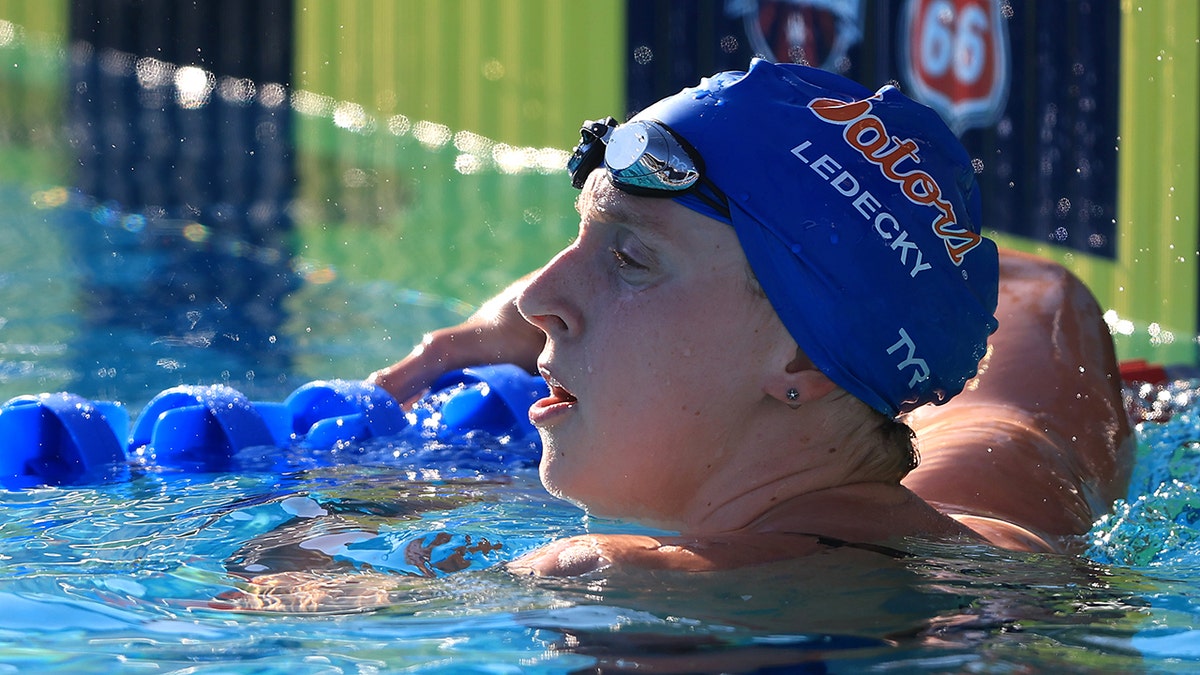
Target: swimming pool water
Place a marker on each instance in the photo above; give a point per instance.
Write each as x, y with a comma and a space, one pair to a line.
135, 577
391, 557
150, 574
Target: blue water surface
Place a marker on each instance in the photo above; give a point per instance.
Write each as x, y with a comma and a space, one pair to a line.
150, 575
388, 557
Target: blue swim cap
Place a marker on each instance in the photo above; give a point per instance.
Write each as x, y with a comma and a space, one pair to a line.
860, 216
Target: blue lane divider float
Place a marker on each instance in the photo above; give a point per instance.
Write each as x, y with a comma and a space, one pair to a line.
63, 439
59, 438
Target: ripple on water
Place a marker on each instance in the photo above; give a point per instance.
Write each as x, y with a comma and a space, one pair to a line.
1158, 524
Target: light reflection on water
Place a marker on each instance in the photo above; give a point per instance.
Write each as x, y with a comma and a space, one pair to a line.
138, 569
160, 271
126, 575
133, 567
63, 329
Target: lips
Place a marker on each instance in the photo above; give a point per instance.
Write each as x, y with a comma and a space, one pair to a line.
557, 391
558, 402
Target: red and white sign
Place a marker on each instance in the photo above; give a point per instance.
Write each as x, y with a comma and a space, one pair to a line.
955, 58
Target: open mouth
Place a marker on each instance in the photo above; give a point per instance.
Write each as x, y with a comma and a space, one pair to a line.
559, 402
558, 393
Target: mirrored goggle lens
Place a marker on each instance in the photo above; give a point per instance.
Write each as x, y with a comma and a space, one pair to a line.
645, 155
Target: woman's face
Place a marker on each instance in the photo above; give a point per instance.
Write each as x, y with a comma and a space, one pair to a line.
657, 349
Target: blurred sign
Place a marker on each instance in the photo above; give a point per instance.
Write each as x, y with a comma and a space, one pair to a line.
955, 59
817, 33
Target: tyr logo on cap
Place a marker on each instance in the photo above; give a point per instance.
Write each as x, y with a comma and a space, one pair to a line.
867, 134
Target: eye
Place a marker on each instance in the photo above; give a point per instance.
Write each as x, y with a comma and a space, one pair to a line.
625, 261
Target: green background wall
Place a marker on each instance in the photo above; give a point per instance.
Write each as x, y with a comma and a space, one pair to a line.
524, 72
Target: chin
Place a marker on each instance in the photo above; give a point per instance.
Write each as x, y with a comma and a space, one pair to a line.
550, 469
568, 472
563, 485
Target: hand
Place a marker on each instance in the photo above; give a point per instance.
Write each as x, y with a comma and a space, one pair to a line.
305, 592
568, 557
497, 333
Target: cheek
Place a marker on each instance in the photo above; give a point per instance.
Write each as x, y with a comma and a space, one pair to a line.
679, 358
707, 331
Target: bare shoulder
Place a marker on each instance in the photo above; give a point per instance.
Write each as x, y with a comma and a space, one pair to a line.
1038, 440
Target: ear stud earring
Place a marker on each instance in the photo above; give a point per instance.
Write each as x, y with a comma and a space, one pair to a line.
792, 394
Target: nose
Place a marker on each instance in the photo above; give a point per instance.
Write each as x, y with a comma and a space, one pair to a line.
547, 300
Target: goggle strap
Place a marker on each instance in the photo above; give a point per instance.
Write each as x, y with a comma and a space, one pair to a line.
589, 153
706, 192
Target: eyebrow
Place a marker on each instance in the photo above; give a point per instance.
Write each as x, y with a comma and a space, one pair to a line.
619, 210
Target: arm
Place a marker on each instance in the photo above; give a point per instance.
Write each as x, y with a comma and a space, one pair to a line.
497, 333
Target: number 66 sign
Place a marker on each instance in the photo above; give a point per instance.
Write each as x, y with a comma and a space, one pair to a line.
954, 54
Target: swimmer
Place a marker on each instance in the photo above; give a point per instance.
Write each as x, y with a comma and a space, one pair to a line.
779, 294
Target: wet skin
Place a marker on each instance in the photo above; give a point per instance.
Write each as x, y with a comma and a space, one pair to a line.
668, 407
658, 354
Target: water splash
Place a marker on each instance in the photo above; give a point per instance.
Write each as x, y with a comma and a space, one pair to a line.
1158, 523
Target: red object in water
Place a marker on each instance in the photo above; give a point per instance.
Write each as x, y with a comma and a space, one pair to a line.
1140, 370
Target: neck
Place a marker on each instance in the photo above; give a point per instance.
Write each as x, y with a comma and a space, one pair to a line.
787, 455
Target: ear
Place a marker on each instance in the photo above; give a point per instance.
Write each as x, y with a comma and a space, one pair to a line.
799, 382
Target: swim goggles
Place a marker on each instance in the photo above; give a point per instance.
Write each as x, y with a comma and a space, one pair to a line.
643, 157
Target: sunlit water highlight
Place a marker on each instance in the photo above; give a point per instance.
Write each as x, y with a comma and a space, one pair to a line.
382, 560
151, 573
147, 575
